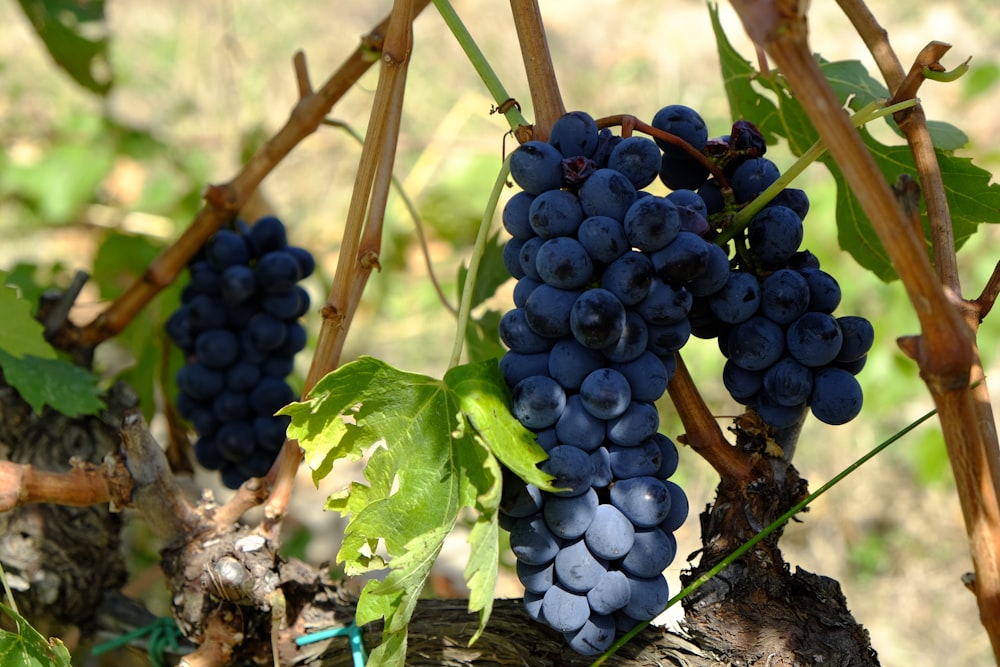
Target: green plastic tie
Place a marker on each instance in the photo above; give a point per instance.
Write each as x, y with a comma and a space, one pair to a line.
163, 635
352, 631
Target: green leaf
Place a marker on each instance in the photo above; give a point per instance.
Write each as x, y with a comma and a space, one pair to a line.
972, 198
492, 272
482, 337
432, 448
44, 184
738, 76
28, 648
62, 24
54, 382
21, 334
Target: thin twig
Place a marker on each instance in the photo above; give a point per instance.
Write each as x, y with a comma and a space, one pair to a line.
222, 201
363, 228
411, 209
984, 302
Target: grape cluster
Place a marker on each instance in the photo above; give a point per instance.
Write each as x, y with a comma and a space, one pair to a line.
612, 280
238, 328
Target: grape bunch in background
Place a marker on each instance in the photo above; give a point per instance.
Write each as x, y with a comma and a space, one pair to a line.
238, 328
612, 280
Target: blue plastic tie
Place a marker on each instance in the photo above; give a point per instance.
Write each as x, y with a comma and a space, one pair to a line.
352, 631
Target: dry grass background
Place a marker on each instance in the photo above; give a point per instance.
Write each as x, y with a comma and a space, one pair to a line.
204, 75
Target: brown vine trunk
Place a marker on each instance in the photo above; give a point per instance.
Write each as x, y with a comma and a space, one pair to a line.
756, 610
60, 560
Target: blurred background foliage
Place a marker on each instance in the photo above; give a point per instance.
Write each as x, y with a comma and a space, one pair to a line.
104, 158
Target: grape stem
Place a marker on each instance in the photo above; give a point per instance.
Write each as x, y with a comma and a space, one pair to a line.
703, 433
629, 123
505, 104
742, 218
775, 525
465, 305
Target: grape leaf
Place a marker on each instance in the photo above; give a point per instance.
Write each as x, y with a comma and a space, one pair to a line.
57, 383
28, 648
21, 334
972, 198
62, 26
433, 448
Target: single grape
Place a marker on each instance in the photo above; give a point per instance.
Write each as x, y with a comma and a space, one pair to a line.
651, 223
647, 598
814, 339
597, 318
784, 296
610, 534
555, 213
518, 336
227, 248
266, 235
536, 578
549, 309
859, 335
737, 300
774, 235
788, 382
578, 427
639, 422
570, 362
277, 271
537, 401
536, 167
577, 569
638, 158
629, 277
756, 343
564, 263
645, 501
836, 397
651, 553
753, 177
642, 460
603, 238
574, 133
610, 594
570, 517
563, 610
607, 192
664, 303
532, 542
605, 393
571, 468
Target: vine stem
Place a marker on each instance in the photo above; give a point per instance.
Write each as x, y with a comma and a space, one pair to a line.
742, 218
775, 525
363, 230
545, 96
946, 350
512, 112
465, 305
224, 201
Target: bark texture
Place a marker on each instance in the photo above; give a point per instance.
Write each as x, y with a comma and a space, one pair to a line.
60, 560
756, 611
